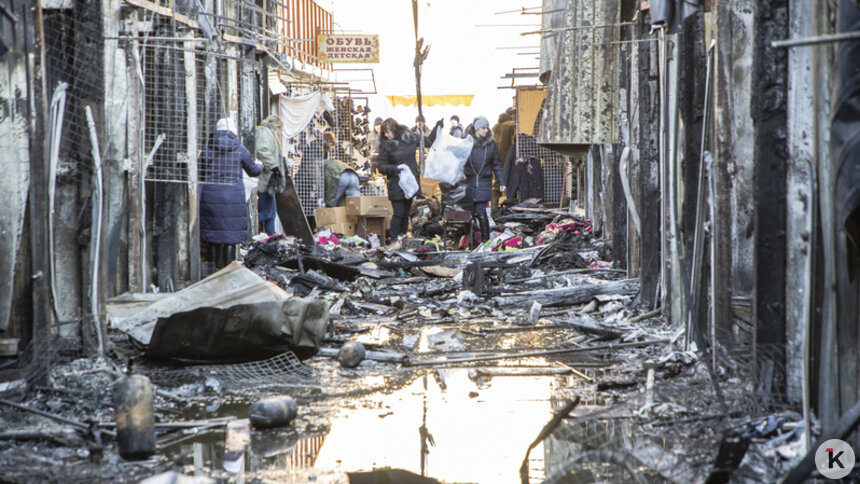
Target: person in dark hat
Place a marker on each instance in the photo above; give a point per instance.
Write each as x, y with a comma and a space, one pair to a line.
482, 164
456, 128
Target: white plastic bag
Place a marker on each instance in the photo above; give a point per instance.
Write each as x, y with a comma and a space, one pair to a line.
447, 158
407, 181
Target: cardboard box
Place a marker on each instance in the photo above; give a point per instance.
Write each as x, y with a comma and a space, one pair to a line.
429, 188
368, 206
343, 228
371, 225
329, 216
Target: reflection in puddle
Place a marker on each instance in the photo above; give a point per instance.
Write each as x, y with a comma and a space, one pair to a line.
466, 433
469, 434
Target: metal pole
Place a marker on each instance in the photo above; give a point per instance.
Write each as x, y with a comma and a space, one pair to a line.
95, 231
818, 39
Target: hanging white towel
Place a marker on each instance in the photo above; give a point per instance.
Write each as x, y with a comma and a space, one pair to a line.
298, 111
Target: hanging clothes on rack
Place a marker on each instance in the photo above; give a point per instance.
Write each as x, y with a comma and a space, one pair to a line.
524, 169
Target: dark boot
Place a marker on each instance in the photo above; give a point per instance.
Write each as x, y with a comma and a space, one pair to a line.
219, 256
229, 254
484, 223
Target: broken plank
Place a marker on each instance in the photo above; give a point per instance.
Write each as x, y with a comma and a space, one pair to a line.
521, 329
564, 273
491, 372
441, 271
61, 435
368, 355
569, 295
59, 418
590, 327
531, 354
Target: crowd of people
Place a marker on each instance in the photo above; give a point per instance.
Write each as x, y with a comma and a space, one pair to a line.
393, 151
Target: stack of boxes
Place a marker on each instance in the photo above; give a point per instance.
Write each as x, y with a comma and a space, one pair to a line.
361, 216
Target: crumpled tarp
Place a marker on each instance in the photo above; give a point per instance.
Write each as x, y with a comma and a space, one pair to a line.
243, 331
232, 285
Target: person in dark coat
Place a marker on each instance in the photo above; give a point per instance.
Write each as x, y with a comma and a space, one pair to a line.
223, 212
456, 127
482, 164
398, 146
503, 135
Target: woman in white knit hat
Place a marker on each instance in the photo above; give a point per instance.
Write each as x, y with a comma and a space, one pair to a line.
223, 213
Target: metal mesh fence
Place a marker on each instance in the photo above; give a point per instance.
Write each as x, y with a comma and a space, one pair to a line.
284, 369
538, 172
306, 153
184, 97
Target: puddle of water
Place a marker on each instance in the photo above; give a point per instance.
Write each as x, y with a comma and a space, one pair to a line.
480, 435
466, 433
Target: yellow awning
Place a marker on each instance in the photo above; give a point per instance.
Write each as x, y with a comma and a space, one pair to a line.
433, 100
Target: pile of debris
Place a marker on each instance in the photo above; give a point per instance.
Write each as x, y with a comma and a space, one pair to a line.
269, 349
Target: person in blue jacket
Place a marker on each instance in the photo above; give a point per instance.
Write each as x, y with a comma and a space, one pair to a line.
483, 162
223, 212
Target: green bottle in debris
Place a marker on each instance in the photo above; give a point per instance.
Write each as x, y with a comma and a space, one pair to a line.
272, 412
135, 421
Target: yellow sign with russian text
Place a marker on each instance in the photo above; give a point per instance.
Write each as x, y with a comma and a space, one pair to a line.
339, 48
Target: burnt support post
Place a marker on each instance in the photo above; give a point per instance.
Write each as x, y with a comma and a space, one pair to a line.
40, 269
771, 154
649, 180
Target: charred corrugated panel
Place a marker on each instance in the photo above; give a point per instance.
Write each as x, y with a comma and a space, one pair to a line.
800, 195
731, 211
771, 150
582, 93
551, 18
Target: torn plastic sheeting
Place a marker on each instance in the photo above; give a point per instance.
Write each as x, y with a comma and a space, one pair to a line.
232, 285
244, 331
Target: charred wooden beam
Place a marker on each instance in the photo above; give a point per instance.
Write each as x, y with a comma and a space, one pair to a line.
771, 150
569, 295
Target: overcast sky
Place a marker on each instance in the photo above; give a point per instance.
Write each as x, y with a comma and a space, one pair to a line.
464, 58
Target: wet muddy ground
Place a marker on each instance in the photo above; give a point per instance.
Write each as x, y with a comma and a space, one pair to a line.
463, 407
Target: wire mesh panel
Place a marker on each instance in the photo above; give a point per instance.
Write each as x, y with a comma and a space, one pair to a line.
538, 172
306, 154
183, 98
284, 369
165, 104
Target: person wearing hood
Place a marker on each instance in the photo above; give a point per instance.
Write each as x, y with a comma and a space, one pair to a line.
456, 128
397, 148
223, 212
482, 164
503, 134
341, 180
267, 149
